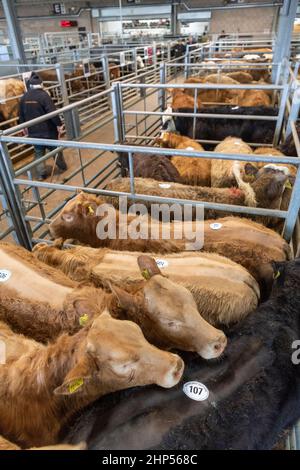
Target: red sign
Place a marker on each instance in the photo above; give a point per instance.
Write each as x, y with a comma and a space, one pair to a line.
68, 24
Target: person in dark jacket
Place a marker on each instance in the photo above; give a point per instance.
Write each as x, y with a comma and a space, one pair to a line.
35, 103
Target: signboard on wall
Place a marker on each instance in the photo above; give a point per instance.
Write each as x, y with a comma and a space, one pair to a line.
59, 9
68, 24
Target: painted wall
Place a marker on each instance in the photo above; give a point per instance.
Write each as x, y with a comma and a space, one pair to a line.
250, 20
43, 25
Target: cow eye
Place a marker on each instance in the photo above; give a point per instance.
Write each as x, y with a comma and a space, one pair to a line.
174, 324
122, 369
67, 217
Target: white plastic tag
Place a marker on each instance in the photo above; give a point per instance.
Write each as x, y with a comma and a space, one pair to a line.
162, 263
164, 185
216, 226
4, 275
196, 391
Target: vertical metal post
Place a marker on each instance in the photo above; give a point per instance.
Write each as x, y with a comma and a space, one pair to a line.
142, 90
293, 209
195, 110
162, 91
61, 78
280, 117
168, 52
134, 57
131, 174
293, 116
121, 19
71, 118
13, 199
175, 28
117, 113
14, 32
287, 15
105, 71
186, 61
154, 52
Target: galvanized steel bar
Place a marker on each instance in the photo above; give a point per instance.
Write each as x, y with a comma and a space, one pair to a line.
146, 197
13, 199
131, 173
154, 150
294, 112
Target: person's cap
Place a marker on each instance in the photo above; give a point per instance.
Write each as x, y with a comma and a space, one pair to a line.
35, 79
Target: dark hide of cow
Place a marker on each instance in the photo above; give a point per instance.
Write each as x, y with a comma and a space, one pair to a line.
219, 128
254, 389
157, 167
288, 147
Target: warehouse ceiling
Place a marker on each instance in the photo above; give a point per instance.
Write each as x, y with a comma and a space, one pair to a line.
188, 3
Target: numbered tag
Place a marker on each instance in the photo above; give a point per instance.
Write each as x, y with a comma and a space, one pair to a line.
164, 185
216, 226
162, 263
4, 275
196, 391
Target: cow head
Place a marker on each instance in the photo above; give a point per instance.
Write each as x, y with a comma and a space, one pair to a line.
164, 139
269, 185
168, 123
115, 356
77, 219
168, 314
279, 275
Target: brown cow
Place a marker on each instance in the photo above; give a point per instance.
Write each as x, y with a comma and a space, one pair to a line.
42, 309
240, 239
11, 90
7, 445
222, 170
224, 291
193, 171
265, 191
45, 385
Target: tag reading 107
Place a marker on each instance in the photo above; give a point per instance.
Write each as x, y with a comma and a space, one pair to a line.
196, 391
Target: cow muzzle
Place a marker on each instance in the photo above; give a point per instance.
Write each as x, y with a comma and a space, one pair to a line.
174, 374
214, 349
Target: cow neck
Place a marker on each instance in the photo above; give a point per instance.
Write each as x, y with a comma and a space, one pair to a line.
138, 314
175, 140
65, 354
93, 222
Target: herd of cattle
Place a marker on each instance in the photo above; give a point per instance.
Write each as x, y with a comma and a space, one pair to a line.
102, 316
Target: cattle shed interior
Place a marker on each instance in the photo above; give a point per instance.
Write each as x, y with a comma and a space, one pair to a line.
149, 225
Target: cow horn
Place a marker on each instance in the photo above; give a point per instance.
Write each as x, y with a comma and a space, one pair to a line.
148, 266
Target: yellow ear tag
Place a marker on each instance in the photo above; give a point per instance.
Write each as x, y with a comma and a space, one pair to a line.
75, 385
91, 210
276, 276
288, 185
146, 274
83, 320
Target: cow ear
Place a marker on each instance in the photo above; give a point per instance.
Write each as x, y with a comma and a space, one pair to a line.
83, 309
88, 209
76, 380
250, 170
148, 266
266, 277
126, 301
